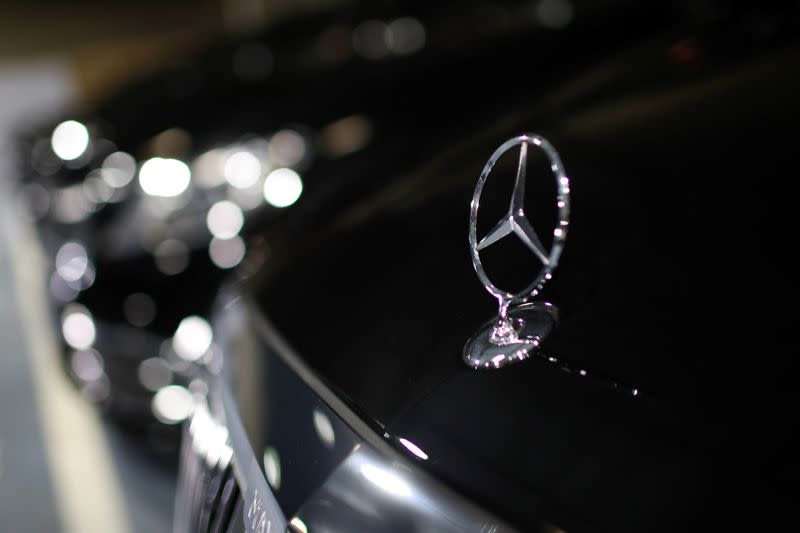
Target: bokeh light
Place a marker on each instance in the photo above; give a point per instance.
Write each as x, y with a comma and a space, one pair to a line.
172, 404
70, 140
72, 261
164, 177
282, 187
171, 256
119, 169
242, 169
225, 219
192, 338
78, 327
227, 253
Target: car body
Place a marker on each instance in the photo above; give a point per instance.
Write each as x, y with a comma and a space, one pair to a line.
336, 399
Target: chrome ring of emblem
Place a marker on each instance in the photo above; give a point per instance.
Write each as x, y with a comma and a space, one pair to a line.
517, 333
516, 222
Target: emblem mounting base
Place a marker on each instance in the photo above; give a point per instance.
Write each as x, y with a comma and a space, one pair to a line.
500, 342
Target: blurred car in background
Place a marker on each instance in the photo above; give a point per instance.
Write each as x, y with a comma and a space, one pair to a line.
327, 190
141, 217
141, 203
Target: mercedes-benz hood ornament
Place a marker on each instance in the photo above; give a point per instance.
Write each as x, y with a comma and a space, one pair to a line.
521, 325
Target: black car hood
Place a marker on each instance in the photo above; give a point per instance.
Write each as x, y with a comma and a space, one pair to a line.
673, 291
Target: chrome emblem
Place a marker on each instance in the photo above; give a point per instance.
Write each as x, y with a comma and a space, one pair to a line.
520, 325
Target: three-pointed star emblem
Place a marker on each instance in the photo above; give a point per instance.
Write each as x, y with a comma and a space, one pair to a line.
515, 221
520, 325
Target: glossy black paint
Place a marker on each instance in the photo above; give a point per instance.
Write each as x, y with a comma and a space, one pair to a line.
675, 281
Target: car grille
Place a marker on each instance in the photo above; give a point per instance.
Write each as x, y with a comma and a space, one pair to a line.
208, 493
